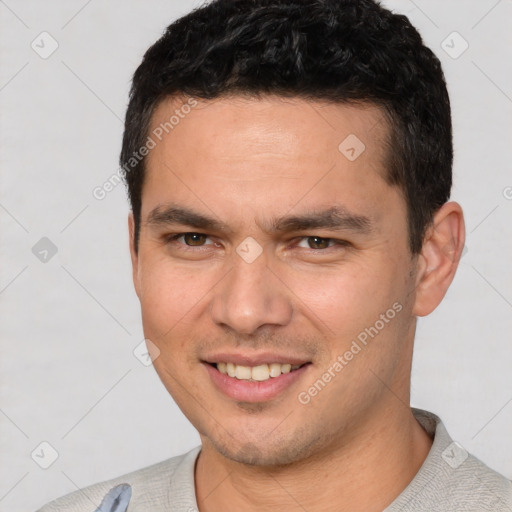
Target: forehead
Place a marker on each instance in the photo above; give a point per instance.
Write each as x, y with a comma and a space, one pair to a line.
271, 126
270, 152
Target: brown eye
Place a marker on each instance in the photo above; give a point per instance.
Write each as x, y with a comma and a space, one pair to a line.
316, 242
194, 239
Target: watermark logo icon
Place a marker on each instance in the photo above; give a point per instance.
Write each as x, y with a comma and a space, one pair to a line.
454, 45
44, 45
249, 249
454, 455
44, 455
146, 352
44, 250
351, 147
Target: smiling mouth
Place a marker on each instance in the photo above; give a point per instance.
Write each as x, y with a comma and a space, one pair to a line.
259, 373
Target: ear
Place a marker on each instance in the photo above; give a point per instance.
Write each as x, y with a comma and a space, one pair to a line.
133, 254
439, 257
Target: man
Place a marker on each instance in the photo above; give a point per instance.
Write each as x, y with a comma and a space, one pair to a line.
289, 169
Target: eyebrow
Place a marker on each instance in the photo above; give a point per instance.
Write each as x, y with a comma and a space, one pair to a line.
334, 219
171, 214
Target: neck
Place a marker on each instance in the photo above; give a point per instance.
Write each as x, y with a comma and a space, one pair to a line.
366, 472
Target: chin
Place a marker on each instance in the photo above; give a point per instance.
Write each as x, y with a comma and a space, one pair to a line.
278, 452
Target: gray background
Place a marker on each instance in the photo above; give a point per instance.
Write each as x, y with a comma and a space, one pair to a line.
70, 324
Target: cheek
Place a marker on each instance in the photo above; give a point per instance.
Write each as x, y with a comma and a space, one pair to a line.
345, 299
170, 295
172, 299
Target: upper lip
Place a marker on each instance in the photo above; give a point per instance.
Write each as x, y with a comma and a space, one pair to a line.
253, 359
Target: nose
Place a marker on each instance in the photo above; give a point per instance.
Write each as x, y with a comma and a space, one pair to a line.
250, 296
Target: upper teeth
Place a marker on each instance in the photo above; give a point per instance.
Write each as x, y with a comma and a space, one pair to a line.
260, 372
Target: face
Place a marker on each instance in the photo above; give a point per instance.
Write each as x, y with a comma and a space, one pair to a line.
270, 240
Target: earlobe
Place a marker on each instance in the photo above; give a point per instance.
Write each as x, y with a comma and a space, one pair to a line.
439, 258
133, 253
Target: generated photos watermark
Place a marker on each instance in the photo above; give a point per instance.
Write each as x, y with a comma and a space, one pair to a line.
100, 192
357, 345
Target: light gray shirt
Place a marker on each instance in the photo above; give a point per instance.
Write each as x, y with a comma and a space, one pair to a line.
450, 479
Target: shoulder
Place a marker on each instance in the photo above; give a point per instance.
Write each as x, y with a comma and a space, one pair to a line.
452, 479
463, 482
485, 488
150, 486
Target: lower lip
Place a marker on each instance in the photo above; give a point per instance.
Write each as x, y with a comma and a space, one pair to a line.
250, 391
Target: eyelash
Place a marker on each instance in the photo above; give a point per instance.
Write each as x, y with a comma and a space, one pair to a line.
173, 238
